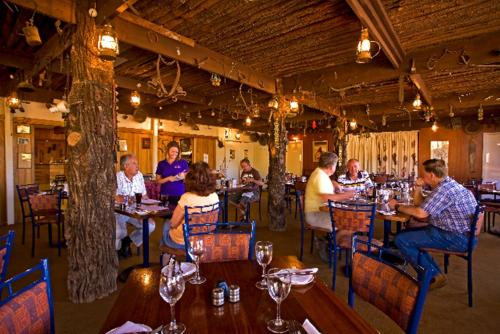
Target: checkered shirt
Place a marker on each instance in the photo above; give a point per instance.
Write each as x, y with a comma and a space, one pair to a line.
126, 187
450, 206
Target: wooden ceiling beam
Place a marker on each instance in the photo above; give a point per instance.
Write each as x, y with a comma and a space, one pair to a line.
419, 82
63, 10
373, 15
109, 9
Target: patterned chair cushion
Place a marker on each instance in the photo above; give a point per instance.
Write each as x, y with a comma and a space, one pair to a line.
224, 246
153, 189
351, 220
210, 217
345, 241
29, 312
43, 202
383, 286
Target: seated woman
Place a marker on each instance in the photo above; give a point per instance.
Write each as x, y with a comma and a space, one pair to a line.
200, 191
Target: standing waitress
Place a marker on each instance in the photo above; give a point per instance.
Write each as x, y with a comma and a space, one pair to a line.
171, 172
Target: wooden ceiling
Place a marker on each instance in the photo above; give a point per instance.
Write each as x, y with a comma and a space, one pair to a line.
446, 50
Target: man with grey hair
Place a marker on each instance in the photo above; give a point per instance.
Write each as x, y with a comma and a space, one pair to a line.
320, 189
129, 182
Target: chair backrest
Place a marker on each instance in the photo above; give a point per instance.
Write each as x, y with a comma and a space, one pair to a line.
352, 217
386, 286
23, 192
49, 204
30, 309
206, 215
6, 242
227, 242
487, 186
476, 224
380, 178
152, 189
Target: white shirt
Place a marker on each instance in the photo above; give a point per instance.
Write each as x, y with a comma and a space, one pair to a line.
319, 183
128, 187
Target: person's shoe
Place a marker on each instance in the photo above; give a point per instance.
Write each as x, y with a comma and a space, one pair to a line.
438, 281
125, 250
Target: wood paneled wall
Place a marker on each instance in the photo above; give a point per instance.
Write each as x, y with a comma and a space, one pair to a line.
205, 146
308, 140
463, 163
136, 145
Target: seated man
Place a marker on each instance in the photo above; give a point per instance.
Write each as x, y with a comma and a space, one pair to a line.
251, 179
129, 182
448, 208
355, 179
320, 189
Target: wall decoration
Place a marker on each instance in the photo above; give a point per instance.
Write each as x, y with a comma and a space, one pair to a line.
245, 153
319, 146
23, 141
23, 129
122, 145
146, 143
24, 160
232, 154
472, 155
439, 150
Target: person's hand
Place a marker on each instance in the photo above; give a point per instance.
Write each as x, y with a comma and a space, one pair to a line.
392, 204
170, 179
346, 195
419, 182
119, 199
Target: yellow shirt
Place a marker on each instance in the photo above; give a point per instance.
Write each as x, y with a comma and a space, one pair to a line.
190, 199
319, 183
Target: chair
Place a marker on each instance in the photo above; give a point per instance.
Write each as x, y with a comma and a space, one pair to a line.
152, 189
23, 192
46, 210
475, 225
386, 286
30, 309
247, 209
301, 186
380, 178
491, 206
6, 242
223, 241
351, 219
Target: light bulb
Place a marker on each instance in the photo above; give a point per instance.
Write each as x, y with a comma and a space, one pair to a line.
434, 126
248, 121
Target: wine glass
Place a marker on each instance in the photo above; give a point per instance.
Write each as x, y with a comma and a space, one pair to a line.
279, 282
264, 255
196, 250
171, 289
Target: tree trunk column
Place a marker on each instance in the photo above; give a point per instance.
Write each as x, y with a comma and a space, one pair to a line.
90, 221
277, 168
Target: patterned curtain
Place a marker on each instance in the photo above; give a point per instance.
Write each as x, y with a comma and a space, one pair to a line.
394, 153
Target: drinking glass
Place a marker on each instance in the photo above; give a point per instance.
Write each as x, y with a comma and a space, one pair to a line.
279, 282
164, 200
264, 255
196, 250
138, 199
171, 289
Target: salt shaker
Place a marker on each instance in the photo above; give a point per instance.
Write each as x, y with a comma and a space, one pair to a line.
234, 293
217, 297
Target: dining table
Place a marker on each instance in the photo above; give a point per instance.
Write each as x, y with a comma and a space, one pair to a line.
224, 191
139, 301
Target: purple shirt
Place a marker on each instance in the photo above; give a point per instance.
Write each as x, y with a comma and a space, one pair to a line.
165, 169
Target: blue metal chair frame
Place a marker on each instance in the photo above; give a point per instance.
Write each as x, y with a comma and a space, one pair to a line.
58, 223
467, 255
6, 241
298, 206
423, 280
23, 192
332, 240
43, 266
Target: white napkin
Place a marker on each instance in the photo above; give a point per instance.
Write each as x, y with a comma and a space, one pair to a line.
130, 327
309, 327
302, 279
387, 213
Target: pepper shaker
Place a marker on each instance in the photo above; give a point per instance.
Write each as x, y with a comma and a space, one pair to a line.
234, 293
217, 297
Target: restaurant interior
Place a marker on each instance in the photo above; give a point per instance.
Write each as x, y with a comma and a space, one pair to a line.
88, 86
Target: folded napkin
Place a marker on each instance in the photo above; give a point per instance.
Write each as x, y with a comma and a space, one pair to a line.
309, 327
302, 276
387, 213
130, 327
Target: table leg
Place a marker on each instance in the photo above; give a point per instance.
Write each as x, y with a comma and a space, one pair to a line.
226, 206
387, 230
145, 242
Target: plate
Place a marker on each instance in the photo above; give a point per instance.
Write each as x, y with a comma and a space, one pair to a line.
149, 201
300, 280
187, 268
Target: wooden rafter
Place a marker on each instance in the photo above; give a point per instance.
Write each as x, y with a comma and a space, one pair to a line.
109, 9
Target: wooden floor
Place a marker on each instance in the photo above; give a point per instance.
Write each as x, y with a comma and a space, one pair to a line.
446, 309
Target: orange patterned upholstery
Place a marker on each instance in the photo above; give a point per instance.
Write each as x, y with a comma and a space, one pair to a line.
224, 246
27, 313
43, 202
391, 291
3, 252
345, 241
210, 217
152, 189
354, 221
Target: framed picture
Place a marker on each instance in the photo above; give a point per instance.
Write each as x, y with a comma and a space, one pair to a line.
319, 146
23, 128
122, 145
23, 141
24, 160
439, 150
146, 143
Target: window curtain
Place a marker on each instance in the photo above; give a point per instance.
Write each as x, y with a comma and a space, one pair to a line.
394, 153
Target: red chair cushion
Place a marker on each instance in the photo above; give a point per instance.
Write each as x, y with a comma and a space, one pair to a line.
152, 189
28, 312
43, 202
224, 246
385, 287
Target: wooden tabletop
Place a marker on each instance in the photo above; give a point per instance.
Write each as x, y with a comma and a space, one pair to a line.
139, 301
397, 217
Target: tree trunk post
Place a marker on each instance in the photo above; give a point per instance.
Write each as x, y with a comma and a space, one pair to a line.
90, 232
277, 168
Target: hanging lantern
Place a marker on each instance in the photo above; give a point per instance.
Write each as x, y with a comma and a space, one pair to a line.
451, 113
434, 126
363, 54
294, 104
255, 110
248, 121
480, 113
212, 113
215, 80
31, 33
273, 103
107, 43
13, 101
199, 115
313, 125
135, 99
353, 124
417, 103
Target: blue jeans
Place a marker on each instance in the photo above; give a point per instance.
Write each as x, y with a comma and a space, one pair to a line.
167, 241
410, 241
